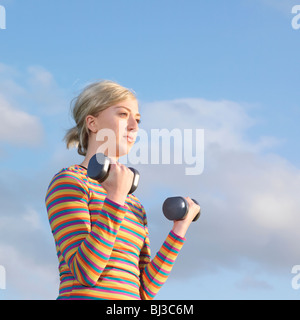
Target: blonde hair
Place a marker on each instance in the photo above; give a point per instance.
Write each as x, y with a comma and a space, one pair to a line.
95, 98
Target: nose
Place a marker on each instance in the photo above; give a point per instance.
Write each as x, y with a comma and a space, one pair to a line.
132, 124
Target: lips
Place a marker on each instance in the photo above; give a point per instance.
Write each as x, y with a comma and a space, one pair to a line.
130, 138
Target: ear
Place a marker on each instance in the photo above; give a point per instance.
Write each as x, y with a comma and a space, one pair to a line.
91, 123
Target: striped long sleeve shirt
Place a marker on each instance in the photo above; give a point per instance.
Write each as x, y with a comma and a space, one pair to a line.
103, 247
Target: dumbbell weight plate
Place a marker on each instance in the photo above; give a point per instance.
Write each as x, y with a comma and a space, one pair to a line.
175, 208
98, 167
135, 181
198, 214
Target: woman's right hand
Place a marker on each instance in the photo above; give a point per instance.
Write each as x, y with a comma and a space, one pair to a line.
118, 182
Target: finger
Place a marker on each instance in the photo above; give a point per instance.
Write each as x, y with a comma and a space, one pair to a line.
189, 200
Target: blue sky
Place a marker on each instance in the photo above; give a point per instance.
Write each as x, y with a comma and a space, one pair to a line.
235, 64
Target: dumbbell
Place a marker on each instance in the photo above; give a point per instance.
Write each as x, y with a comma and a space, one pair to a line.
98, 169
176, 208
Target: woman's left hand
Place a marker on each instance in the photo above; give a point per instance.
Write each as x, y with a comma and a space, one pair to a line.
180, 227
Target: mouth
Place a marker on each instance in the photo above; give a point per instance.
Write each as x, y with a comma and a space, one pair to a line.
130, 139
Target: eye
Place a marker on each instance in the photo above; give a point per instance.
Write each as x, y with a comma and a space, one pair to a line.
125, 114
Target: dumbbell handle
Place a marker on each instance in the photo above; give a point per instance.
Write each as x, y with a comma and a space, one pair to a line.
176, 208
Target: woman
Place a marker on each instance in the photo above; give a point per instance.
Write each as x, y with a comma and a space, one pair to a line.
100, 231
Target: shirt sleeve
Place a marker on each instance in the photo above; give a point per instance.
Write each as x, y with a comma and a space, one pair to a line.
85, 248
153, 274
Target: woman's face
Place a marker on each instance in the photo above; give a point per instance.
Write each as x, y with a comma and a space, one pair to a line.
117, 128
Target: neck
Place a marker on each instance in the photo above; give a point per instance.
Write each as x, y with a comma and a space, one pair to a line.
89, 155
93, 148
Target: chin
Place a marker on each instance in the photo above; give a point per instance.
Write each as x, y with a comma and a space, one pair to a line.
123, 150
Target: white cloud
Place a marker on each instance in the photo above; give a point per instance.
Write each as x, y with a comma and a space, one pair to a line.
34, 90
27, 251
19, 127
283, 6
27, 99
251, 282
32, 217
26, 278
43, 90
40, 77
248, 193
225, 122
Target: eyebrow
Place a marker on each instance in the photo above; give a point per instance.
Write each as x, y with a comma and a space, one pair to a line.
128, 110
